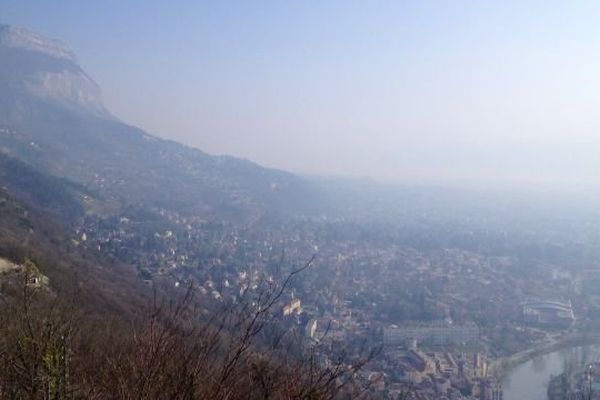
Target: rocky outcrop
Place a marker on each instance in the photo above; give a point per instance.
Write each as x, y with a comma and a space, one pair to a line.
20, 38
46, 69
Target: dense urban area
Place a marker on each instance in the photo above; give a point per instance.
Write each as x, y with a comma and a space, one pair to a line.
444, 308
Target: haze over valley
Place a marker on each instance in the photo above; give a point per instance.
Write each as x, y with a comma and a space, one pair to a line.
294, 201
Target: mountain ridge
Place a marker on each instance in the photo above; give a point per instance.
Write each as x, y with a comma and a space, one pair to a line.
36, 71
12, 36
59, 124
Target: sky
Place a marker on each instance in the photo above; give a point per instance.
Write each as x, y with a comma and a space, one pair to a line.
406, 91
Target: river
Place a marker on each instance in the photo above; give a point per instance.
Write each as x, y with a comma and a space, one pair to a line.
529, 381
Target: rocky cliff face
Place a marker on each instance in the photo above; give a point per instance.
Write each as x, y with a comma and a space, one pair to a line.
20, 38
46, 69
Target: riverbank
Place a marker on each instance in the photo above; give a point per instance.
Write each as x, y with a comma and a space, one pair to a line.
500, 367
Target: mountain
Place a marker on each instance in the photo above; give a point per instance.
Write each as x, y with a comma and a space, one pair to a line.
35, 69
52, 118
92, 210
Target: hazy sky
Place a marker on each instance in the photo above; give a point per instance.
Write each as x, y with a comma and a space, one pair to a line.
398, 90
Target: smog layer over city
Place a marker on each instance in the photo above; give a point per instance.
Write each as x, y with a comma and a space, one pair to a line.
299, 200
